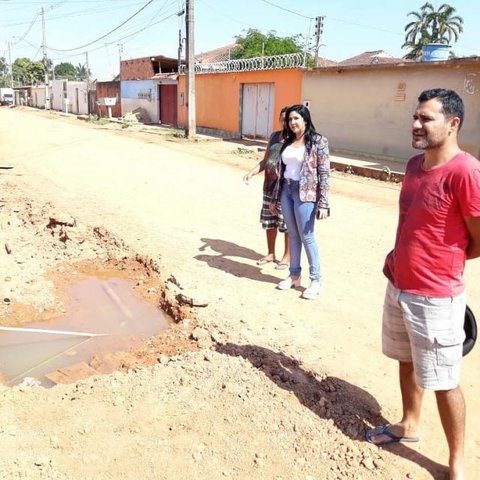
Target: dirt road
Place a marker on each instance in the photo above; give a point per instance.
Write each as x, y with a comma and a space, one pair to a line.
270, 387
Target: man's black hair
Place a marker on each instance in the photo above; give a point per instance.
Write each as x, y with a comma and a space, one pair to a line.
452, 104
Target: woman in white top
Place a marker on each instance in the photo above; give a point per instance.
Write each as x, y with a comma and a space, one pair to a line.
303, 193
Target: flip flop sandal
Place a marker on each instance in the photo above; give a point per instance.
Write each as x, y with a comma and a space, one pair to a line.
391, 437
263, 261
281, 266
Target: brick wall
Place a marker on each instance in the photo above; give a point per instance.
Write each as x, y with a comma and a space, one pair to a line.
136, 69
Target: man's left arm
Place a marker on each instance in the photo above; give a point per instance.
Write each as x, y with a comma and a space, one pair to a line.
473, 226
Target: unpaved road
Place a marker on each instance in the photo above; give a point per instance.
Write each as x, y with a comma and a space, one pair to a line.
275, 387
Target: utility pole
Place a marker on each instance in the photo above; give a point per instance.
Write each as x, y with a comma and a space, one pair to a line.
45, 59
11, 71
120, 52
87, 67
180, 48
87, 73
318, 36
191, 129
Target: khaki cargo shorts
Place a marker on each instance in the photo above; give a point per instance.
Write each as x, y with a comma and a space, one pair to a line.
426, 331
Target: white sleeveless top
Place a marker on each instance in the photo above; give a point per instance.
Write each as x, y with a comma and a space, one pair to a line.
292, 157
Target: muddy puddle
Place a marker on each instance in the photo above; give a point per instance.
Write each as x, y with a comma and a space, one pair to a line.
104, 316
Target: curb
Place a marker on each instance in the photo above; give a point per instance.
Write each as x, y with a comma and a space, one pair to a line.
384, 174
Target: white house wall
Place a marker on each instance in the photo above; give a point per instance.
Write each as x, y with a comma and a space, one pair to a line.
63, 96
77, 95
38, 97
57, 95
140, 94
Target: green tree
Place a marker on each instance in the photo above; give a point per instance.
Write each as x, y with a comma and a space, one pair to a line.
65, 70
431, 26
81, 72
3, 67
27, 72
4, 80
255, 44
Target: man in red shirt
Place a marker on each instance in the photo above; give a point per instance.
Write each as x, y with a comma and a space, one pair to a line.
424, 309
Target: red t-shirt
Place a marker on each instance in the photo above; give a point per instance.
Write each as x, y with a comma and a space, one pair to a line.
432, 237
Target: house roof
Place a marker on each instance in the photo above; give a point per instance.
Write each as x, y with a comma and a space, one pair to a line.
451, 63
374, 57
221, 54
325, 62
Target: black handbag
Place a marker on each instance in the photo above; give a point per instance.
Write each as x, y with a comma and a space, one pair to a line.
470, 327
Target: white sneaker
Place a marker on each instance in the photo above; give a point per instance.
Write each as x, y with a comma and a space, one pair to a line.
289, 282
313, 290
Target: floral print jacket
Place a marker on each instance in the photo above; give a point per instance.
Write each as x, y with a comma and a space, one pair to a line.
314, 175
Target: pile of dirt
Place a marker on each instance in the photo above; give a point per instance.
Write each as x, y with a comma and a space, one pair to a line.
45, 249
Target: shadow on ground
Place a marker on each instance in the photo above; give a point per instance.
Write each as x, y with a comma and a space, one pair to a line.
221, 260
351, 408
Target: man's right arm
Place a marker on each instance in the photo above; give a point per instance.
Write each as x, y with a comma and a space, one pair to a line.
473, 226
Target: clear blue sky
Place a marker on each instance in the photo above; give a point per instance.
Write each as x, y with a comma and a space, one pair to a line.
351, 27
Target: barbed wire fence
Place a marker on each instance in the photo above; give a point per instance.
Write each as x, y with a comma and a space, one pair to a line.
274, 62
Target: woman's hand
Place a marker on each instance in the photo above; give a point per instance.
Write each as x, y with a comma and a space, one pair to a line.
322, 213
246, 178
273, 208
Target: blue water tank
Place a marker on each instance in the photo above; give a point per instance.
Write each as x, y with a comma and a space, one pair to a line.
435, 52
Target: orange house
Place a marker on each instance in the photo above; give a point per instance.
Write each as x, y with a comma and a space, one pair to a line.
235, 104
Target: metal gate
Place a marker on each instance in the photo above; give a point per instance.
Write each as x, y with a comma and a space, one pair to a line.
257, 109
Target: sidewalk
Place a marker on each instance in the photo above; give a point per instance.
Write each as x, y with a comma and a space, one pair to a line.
380, 169
387, 170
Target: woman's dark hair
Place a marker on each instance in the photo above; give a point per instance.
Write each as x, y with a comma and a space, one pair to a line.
284, 123
310, 132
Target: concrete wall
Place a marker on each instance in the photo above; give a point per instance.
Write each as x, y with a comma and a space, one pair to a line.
77, 98
368, 110
140, 94
57, 95
37, 97
71, 97
218, 97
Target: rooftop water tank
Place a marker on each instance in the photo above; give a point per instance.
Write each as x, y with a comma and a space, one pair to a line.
435, 52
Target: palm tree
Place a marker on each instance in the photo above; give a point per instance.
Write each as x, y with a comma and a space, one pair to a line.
431, 26
81, 72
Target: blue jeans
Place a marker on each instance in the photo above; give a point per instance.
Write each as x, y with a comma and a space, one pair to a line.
300, 219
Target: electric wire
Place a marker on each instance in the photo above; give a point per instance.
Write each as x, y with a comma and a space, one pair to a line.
106, 34
27, 31
236, 20
115, 40
76, 13
286, 9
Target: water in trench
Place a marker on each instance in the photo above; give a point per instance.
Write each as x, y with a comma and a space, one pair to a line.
106, 307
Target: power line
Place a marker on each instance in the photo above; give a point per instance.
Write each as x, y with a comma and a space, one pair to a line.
116, 40
76, 13
103, 36
233, 19
27, 31
286, 9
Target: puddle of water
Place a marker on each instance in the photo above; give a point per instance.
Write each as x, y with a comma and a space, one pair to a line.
97, 306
